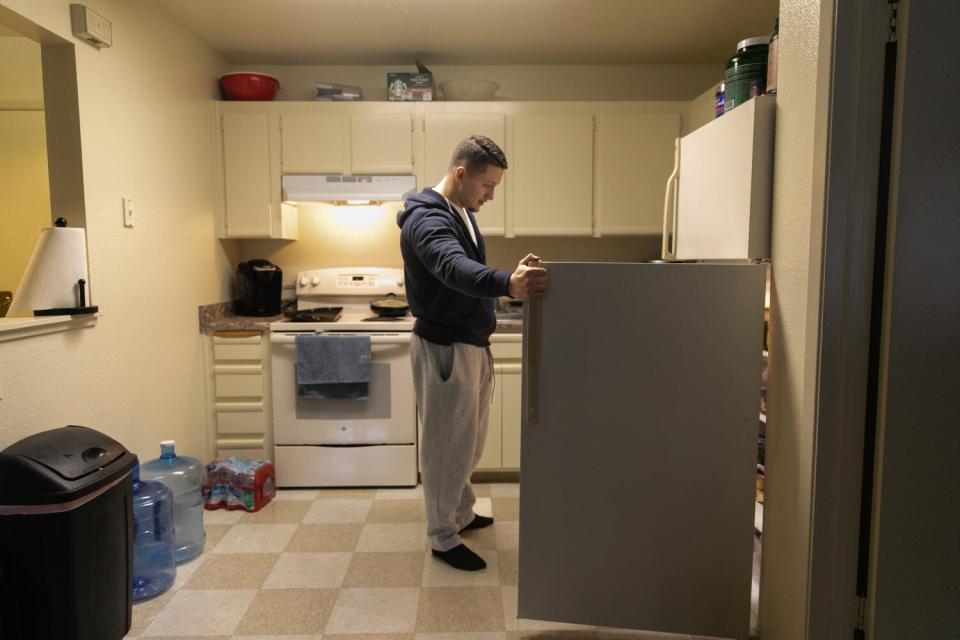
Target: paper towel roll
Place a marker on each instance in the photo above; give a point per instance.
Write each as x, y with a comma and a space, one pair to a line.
50, 281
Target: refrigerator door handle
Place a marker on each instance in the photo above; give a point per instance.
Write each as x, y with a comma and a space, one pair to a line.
531, 323
668, 246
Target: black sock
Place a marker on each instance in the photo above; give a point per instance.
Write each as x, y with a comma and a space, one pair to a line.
478, 522
461, 557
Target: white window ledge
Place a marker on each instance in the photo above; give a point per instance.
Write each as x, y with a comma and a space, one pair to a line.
15, 328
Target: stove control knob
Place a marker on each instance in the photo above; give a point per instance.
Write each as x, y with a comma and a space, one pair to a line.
315, 281
303, 281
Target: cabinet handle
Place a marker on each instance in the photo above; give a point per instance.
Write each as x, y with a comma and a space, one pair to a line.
668, 246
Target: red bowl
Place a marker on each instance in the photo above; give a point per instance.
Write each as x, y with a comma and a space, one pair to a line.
247, 85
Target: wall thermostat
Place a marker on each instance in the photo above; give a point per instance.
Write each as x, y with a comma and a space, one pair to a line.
90, 26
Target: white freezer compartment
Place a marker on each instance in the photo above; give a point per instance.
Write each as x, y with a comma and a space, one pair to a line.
388, 416
718, 201
372, 466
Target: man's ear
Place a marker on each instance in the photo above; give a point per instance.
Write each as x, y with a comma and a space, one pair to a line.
459, 172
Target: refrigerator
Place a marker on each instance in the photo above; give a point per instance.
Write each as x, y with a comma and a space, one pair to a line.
641, 397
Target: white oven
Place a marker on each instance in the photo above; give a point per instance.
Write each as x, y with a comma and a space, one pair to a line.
359, 442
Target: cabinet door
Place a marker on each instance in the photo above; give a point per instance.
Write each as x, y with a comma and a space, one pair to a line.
241, 411
491, 451
552, 181
314, 143
381, 144
634, 158
246, 168
510, 384
442, 133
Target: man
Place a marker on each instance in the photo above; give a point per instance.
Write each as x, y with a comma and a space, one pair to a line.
452, 292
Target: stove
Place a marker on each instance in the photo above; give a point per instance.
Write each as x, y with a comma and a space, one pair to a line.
367, 442
352, 289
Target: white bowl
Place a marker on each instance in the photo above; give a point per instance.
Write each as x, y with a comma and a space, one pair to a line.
469, 89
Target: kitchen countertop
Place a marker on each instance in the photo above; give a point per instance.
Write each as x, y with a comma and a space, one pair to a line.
220, 317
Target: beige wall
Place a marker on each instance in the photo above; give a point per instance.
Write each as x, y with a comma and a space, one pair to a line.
21, 82
702, 110
24, 191
24, 188
517, 82
368, 236
796, 247
146, 116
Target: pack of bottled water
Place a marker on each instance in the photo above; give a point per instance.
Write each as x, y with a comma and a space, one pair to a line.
238, 483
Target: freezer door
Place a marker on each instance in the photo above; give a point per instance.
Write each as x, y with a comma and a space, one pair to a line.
639, 444
726, 185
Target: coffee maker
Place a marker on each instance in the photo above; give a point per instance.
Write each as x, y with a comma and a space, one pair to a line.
258, 288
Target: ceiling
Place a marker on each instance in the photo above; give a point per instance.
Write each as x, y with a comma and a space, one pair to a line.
484, 32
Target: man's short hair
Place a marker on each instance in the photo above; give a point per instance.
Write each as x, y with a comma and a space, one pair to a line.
476, 152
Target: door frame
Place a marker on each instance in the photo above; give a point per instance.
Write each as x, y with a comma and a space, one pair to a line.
860, 33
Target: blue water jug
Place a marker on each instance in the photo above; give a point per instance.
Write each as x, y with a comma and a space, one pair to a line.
184, 476
154, 567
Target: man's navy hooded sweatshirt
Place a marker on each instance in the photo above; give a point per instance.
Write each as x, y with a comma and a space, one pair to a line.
450, 289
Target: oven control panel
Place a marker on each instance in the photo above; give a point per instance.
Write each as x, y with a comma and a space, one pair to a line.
350, 281
357, 281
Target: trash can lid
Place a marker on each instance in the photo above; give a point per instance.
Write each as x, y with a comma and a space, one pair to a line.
60, 465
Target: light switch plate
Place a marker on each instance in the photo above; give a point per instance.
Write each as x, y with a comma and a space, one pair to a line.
128, 212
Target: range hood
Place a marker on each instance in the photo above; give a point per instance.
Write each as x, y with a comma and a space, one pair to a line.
348, 189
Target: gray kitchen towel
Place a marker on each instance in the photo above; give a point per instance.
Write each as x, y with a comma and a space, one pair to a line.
333, 367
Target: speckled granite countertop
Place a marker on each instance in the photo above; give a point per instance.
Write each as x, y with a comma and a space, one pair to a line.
220, 317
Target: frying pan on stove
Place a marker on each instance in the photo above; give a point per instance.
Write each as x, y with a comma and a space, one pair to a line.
390, 307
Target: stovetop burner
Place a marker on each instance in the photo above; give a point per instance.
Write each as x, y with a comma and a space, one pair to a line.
385, 319
317, 314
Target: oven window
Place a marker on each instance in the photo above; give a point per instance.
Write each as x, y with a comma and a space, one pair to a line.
376, 406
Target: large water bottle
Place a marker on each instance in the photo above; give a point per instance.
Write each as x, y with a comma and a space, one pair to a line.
184, 476
154, 567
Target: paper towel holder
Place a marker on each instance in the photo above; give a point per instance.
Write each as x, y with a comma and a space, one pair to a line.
82, 306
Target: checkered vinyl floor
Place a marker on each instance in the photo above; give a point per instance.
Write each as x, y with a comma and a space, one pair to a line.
351, 565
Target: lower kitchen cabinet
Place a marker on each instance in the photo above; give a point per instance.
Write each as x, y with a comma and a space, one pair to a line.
502, 451
241, 392
241, 409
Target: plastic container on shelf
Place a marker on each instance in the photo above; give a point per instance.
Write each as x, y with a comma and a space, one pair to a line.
154, 564
184, 476
718, 102
746, 72
236, 483
773, 58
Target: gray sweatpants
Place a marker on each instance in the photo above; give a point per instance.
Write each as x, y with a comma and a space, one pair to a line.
453, 385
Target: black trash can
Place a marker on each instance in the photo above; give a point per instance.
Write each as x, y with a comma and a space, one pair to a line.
66, 544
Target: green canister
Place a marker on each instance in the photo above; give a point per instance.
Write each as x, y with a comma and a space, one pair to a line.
746, 72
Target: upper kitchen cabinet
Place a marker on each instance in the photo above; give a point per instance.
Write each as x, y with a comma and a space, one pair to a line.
634, 159
442, 133
552, 181
381, 144
341, 143
251, 178
315, 143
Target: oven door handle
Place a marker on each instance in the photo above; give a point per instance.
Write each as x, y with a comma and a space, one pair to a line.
290, 338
